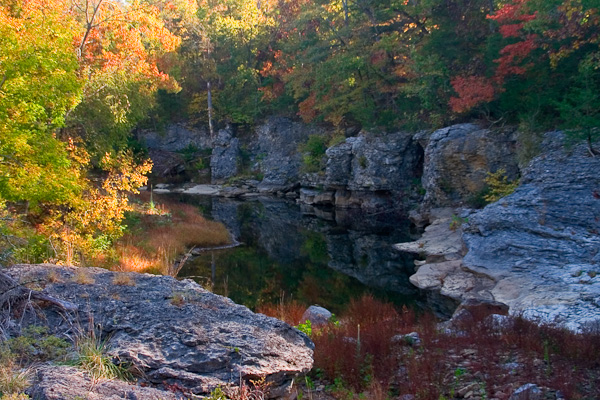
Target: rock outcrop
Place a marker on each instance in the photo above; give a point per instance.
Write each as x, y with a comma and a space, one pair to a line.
176, 137
367, 171
174, 332
276, 152
458, 159
224, 159
536, 250
541, 244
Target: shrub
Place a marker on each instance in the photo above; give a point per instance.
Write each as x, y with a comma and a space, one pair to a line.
499, 185
314, 150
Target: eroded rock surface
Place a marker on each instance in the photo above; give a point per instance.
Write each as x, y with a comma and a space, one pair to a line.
536, 250
175, 332
458, 159
541, 244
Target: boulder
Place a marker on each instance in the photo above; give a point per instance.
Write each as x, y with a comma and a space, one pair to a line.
62, 382
317, 315
458, 159
529, 391
175, 332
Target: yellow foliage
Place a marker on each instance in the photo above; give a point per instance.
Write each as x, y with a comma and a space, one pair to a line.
499, 185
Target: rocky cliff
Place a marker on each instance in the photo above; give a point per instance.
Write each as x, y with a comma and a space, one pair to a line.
175, 333
536, 250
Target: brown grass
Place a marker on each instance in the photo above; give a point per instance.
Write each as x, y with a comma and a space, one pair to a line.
290, 312
159, 238
83, 278
123, 280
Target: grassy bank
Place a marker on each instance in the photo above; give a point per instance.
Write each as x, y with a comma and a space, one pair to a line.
160, 232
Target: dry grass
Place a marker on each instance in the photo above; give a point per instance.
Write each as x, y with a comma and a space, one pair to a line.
13, 380
158, 239
83, 278
123, 279
290, 312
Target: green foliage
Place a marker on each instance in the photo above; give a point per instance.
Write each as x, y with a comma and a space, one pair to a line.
499, 185
313, 153
580, 108
305, 328
35, 344
457, 221
217, 394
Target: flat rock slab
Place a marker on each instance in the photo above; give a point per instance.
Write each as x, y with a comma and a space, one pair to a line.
441, 241
61, 382
206, 190
175, 332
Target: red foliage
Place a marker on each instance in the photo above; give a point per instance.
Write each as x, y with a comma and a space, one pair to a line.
512, 57
472, 91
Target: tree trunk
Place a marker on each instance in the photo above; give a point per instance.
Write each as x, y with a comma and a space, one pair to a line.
210, 107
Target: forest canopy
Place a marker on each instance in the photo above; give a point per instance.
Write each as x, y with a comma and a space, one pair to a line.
77, 76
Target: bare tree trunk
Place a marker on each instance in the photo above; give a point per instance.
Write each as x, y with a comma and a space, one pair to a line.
210, 108
345, 4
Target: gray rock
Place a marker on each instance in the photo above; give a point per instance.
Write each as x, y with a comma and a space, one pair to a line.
176, 332
528, 391
317, 315
458, 158
224, 158
62, 382
276, 149
540, 244
176, 137
410, 339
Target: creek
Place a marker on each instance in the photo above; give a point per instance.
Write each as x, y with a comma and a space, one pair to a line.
313, 256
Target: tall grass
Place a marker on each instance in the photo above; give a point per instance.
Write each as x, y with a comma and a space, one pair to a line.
159, 235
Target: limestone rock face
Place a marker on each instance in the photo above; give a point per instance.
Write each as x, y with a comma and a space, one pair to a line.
224, 158
541, 244
373, 163
276, 150
458, 158
176, 332
176, 137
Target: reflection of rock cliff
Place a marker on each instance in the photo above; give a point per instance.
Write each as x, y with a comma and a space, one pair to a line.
356, 244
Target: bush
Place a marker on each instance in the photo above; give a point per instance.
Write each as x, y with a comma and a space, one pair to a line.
314, 150
499, 185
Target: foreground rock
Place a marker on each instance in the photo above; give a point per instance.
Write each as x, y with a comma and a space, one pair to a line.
175, 332
62, 382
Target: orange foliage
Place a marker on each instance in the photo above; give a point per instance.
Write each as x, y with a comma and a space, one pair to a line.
128, 39
307, 110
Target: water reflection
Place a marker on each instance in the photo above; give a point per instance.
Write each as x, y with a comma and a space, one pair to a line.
310, 255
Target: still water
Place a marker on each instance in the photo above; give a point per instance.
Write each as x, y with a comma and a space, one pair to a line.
314, 256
